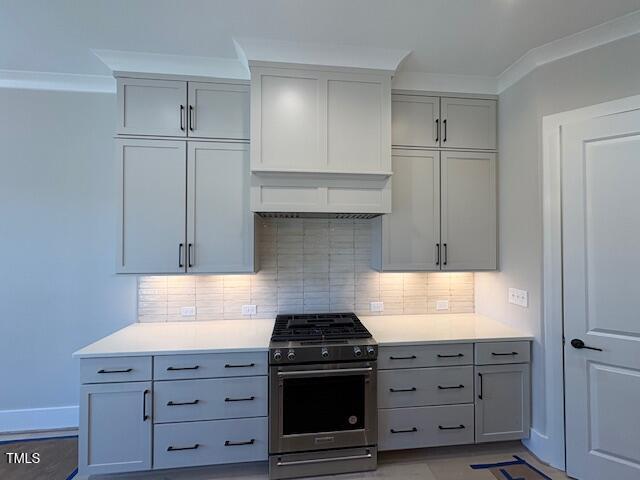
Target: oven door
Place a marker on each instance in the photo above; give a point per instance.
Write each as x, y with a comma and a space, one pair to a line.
323, 406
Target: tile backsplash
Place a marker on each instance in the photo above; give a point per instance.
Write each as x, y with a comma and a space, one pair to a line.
306, 265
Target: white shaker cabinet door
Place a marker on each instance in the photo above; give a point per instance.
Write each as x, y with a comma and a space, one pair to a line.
152, 206
411, 232
468, 123
221, 224
415, 121
152, 107
502, 402
218, 110
468, 183
115, 428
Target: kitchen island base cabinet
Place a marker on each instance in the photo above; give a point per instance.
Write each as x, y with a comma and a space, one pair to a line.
115, 428
502, 402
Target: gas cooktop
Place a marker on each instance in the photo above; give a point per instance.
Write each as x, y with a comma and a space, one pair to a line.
318, 326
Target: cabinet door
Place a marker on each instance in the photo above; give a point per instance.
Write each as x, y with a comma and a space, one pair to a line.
152, 197
502, 402
221, 225
468, 123
415, 121
115, 428
411, 232
468, 210
152, 107
219, 110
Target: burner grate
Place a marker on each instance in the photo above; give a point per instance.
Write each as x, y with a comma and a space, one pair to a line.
318, 327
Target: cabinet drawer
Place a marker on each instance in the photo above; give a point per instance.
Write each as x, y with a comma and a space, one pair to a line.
175, 367
211, 399
115, 369
495, 353
206, 443
400, 428
412, 356
416, 387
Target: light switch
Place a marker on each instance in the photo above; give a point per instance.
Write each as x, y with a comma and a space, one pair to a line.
376, 306
519, 297
442, 304
249, 310
188, 311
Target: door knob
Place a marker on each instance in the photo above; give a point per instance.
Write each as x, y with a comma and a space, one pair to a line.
579, 344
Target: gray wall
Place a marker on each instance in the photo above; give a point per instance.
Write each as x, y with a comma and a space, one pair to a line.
58, 290
605, 73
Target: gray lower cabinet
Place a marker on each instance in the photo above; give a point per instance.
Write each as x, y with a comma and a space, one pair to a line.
115, 428
502, 402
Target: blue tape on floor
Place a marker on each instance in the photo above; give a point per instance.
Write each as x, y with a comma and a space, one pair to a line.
509, 477
517, 461
73, 474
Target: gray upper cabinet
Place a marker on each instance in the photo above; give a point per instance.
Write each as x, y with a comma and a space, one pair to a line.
415, 121
218, 110
468, 123
152, 206
411, 233
151, 107
220, 222
502, 402
468, 210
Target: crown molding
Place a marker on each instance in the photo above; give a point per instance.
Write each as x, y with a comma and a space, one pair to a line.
593, 37
70, 82
435, 82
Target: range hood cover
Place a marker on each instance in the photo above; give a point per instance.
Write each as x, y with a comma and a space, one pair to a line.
341, 216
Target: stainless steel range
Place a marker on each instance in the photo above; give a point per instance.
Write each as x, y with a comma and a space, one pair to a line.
323, 399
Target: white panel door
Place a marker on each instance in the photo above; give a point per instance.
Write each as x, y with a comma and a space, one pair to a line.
152, 206
468, 199
152, 107
468, 123
115, 428
411, 232
415, 121
601, 261
218, 110
220, 233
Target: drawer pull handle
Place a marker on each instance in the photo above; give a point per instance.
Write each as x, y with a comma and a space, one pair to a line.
175, 369
457, 355
412, 357
247, 399
460, 427
411, 430
177, 449
440, 387
246, 365
481, 387
396, 390
145, 417
228, 443
171, 403
503, 354
126, 370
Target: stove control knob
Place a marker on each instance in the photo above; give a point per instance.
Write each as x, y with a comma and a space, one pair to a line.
324, 352
371, 351
277, 355
291, 355
357, 351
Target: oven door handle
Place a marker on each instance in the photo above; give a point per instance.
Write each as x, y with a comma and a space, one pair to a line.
322, 373
324, 460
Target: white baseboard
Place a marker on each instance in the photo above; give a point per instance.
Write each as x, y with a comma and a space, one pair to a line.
38, 419
543, 448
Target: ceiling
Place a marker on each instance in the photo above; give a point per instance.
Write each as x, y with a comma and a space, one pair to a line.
462, 37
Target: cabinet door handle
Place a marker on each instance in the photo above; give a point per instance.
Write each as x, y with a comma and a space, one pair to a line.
411, 357
459, 427
246, 365
191, 122
180, 247
228, 443
172, 369
189, 254
246, 399
510, 354
397, 390
411, 430
444, 123
171, 448
446, 253
182, 117
437, 129
145, 417
171, 403
480, 392
126, 370
440, 387
451, 356
437, 254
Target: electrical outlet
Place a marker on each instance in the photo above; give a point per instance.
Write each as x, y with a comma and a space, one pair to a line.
188, 311
519, 297
249, 310
376, 306
442, 304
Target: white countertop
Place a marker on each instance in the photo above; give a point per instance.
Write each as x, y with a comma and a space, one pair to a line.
183, 337
439, 328
254, 335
